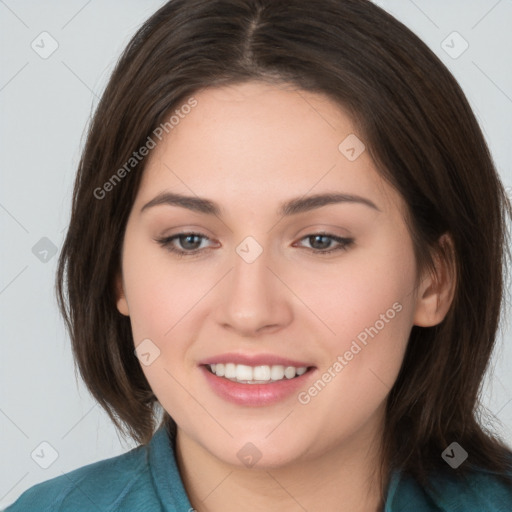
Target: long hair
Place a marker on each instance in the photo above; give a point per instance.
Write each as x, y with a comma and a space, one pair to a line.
419, 130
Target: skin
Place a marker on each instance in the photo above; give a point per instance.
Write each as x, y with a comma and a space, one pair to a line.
250, 147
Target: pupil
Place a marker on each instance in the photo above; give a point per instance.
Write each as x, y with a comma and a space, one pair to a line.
323, 246
187, 237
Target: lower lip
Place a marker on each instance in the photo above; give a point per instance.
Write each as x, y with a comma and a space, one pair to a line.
255, 394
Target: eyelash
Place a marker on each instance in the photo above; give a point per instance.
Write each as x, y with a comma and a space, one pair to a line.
166, 242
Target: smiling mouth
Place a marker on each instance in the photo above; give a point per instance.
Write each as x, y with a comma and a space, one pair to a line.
261, 374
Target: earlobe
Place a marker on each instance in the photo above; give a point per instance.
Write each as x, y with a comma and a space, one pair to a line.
122, 304
435, 294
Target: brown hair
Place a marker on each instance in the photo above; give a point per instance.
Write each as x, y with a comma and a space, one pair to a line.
423, 137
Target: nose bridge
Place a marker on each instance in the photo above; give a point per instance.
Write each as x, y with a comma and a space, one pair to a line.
255, 298
251, 273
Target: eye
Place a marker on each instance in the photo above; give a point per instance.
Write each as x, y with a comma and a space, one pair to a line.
322, 241
189, 242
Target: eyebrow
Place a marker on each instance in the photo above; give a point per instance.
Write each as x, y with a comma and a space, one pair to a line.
290, 207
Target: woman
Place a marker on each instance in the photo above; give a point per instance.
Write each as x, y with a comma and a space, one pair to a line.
288, 237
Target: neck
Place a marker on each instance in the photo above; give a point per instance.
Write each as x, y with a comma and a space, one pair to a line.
345, 478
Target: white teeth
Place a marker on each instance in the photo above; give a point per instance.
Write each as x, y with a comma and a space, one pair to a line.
243, 372
218, 370
262, 373
230, 371
256, 374
289, 372
277, 372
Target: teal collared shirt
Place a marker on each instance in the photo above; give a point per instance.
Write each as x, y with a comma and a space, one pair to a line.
146, 479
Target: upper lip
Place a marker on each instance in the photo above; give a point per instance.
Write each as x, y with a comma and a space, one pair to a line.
254, 360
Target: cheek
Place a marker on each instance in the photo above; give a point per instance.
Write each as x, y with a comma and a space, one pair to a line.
157, 290
160, 299
366, 292
367, 307
361, 365
372, 313
165, 303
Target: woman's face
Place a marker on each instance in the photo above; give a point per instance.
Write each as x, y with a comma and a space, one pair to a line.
254, 298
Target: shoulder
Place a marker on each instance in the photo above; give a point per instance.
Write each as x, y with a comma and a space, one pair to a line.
479, 490
103, 485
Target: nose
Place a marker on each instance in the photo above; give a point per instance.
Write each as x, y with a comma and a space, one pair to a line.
253, 298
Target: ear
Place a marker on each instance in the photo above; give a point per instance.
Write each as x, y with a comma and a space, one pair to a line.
435, 294
122, 304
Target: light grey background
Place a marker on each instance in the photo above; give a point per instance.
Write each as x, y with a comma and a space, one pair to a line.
45, 106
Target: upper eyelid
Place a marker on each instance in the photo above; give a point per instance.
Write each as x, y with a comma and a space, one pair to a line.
202, 235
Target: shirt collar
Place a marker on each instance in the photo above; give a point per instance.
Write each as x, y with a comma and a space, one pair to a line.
165, 474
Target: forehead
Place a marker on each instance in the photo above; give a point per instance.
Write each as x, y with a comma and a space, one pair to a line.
264, 142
